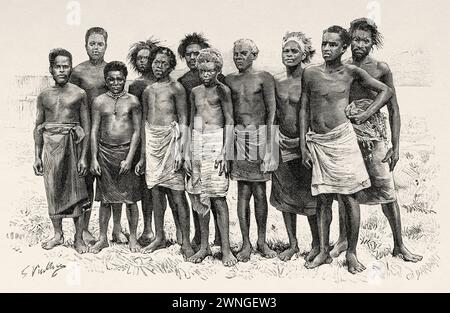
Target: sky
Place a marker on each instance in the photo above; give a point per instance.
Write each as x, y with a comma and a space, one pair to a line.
31, 29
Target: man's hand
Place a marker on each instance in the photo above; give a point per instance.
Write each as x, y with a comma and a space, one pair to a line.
178, 162
95, 168
392, 157
359, 118
82, 167
222, 164
270, 163
139, 169
188, 167
290, 143
306, 159
125, 167
38, 168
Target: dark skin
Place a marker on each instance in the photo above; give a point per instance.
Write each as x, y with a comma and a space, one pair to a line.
288, 105
325, 94
190, 56
163, 103
63, 103
362, 45
214, 109
89, 76
253, 97
116, 123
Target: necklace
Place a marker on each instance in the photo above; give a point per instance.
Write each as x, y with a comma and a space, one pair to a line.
116, 98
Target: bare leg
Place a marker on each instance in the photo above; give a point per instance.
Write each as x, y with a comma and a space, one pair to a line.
104, 216
353, 220
118, 235
58, 238
217, 240
133, 218
315, 245
78, 242
324, 216
87, 236
147, 213
341, 245
176, 217
392, 213
223, 221
204, 249
290, 221
243, 210
259, 196
195, 202
159, 208
182, 207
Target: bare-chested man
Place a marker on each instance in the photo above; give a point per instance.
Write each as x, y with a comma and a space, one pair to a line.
330, 146
61, 147
291, 181
380, 161
253, 96
212, 129
138, 58
88, 75
188, 49
116, 125
164, 128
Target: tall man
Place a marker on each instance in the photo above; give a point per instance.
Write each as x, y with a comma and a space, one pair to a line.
253, 96
138, 58
380, 161
88, 75
291, 181
330, 146
164, 124
61, 138
188, 49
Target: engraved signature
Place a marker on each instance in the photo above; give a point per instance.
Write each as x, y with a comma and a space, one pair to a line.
37, 269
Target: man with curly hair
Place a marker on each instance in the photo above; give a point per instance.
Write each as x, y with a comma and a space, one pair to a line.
380, 161
138, 57
188, 49
291, 182
165, 124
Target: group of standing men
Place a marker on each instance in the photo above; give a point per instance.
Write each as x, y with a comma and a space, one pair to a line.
317, 132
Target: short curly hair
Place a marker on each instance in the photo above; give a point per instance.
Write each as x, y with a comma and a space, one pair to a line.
189, 39
58, 52
307, 44
342, 32
249, 42
211, 55
115, 66
149, 44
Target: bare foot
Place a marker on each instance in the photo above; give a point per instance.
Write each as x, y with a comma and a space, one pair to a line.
133, 245
338, 248
146, 239
265, 250
321, 258
55, 241
80, 246
88, 238
119, 237
199, 256
99, 246
406, 255
228, 259
353, 265
244, 254
287, 254
187, 250
312, 253
156, 244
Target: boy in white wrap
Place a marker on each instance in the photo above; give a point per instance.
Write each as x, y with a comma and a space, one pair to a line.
212, 132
